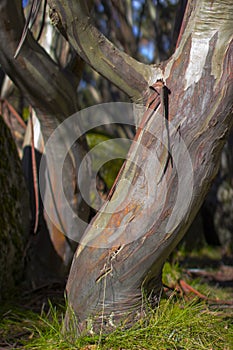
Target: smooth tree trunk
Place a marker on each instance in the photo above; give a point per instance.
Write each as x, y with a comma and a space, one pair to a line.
111, 270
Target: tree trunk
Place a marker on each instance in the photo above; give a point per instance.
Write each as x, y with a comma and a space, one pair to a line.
14, 207
109, 271
51, 91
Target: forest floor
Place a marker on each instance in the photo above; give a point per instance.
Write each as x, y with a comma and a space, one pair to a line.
195, 312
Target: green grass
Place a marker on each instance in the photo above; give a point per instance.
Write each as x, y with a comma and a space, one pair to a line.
175, 324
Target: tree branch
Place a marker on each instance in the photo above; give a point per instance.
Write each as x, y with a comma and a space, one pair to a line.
47, 88
125, 72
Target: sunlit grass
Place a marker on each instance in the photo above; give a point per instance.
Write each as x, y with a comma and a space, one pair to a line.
175, 324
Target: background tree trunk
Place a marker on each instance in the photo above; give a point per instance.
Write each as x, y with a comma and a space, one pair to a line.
14, 207
51, 91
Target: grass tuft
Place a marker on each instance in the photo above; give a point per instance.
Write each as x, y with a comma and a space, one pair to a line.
175, 324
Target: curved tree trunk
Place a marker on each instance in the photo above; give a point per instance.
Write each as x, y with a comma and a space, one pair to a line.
14, 207
109, 272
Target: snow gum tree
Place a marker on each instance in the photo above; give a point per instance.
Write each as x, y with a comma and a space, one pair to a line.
188, 101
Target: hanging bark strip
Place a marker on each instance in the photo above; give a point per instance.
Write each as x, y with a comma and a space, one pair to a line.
14, 113
160, 96
160, 88
34, 174
35, 6
42, 21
